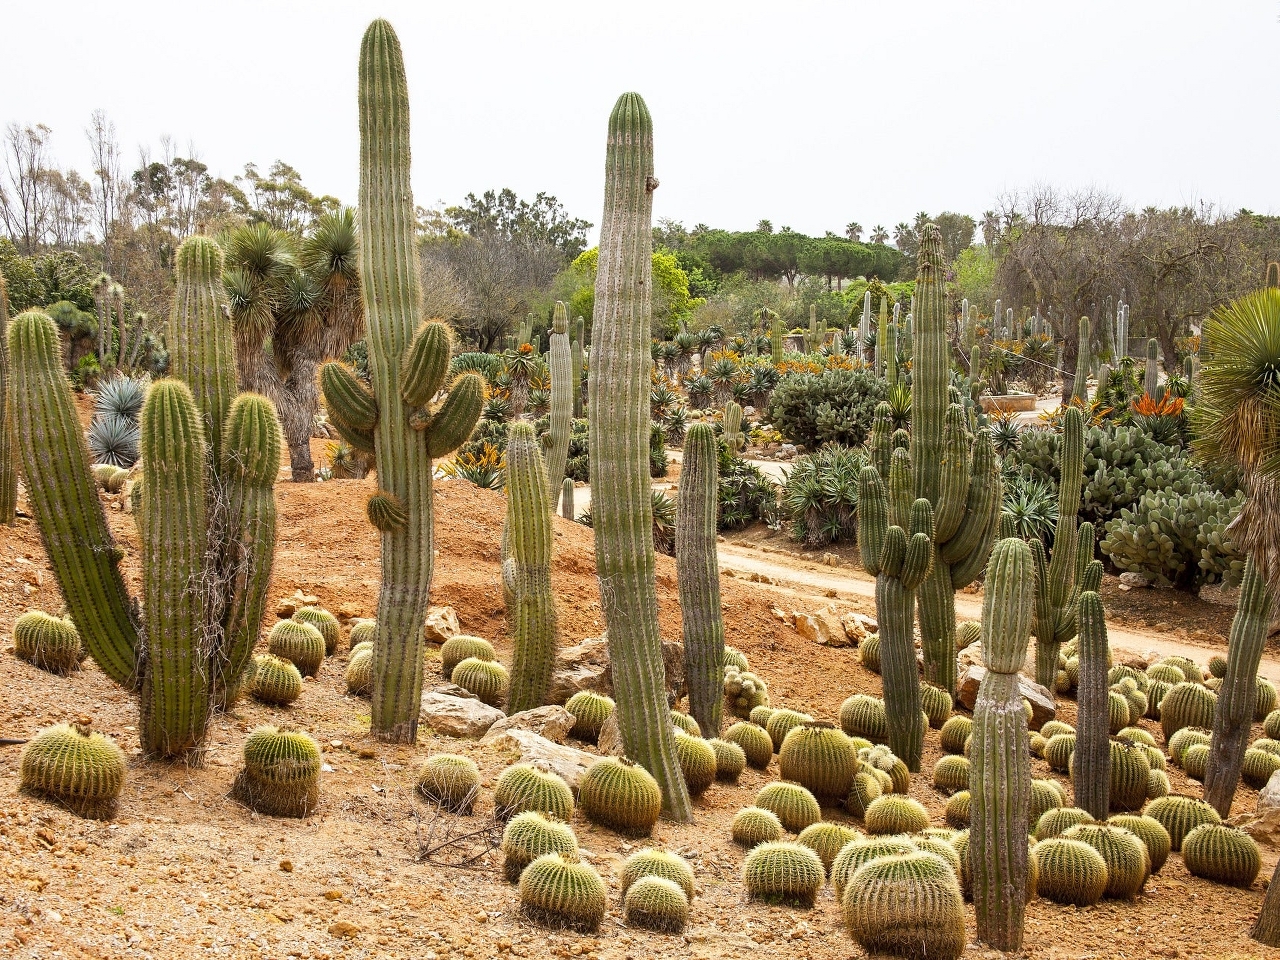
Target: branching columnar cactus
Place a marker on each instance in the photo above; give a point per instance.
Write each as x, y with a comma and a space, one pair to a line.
526, 571
622, 505
8, 435
1000, 777
1091, 770
563, 387
698, 576
900, 562
1080, 391
399, 420
957, 472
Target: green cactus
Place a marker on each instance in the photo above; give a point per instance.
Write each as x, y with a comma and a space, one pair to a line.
936, 703
50, 643
1158, 784
1069, 872
863, 715
1195, 761
896, 813
1265, 700
281, 776
325, 622
1125, 855
530, 835
1179, 815
1053, 823
621, 796
1256, 767
731, 759
869, 653
760, 715
782, 722
556, 892
1080, 388
754, 742
657, 863
753, 826
1164, 672
1058, 750
531, 786
697, 762
487, 679
451, 781
359, 675
827, 840
590, 711
1151, 380
1149, 830
794, 805
1185, 739
1187, 705
456, 649
819, 757
783, 873
882, 759
906, 905
75, 767
698, 577
298, 642
744, 691
657, 904
579, 372
563, 390
959, 809
566, 500
1092, 754
8, 434
777, 331
863, 792
1222, 854
734, 437
859, 852
955, 733
274, 680
685, 723
951, 773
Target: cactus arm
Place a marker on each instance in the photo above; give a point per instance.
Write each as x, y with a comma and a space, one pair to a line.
580, 332
873, 518
348, 400
425, 364
8, 430
698, 576
1056, 621
64, 499
562, 391
895, 611
955, 476
1091, 770
450, 426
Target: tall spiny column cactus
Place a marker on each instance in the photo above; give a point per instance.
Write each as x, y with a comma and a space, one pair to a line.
408, 363
1000, 777
864, 326
1091, 774
579, 382
566, 500
8, 435
734, 438
882, 336
526, 571
1233, 714
562, 391
900, 561
1081, 389
1122, 331
1151, 383
776, 332
618, 402
891, 355
698, 576
957, 472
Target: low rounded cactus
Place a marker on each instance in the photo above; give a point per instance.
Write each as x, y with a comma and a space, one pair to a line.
862, 715
940, 848
697, 762
968, 632
362, 645
487, 679
1267, 745
362, 631
733, 657
1052, 728
744, 692
274, 680
685, 723
1122, 672
955, 733
560, 893
827, 840
657, 863
782, 722
463, 647
50, 643
299, 643
864, 790
531, 786
961, 844
281, 776
1036, 744
951, 773
1179, 815
73, 766
1265, 702
590, 710
760, 716
754, 741
1195, 761
1185, 738
906, 905
755, 825
869, 653
783, 873
620, 795
1155, 696
1155, 757
1271, 725
1158, 784
451, 781
896, 813
1218, 666
1258, 766
1119, 711
1150, 832
821, 758
856, 853
1057, 821
881, 758
325, 622
958, 807
359, 675
1130, 775
1222, 854
1058, 750
1137, 735
1186, 705
1069, 871
1191, 671
795, 806
530, 835
936, 703
731, 760
1164, 673
1128, 862
1045, 795
657, 904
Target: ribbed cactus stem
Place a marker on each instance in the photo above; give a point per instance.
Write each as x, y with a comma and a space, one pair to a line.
563, 388
734, 438
1000, 772
1081, 389
776, 332
1233, 713
8, 429
1058, 580
698, 576
566, 499
579, 345
618, 400
891, 355
1152, 379
526, 571
882, 336
1091, 777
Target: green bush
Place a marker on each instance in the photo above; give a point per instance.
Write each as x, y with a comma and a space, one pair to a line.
746, 494
835, 406
820, 496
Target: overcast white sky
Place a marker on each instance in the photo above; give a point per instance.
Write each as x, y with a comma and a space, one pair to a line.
810, 114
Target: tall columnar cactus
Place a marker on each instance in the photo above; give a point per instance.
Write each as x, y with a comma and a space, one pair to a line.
1000, 773
1122, 331
1151, 381
882, 336
408, 363
577, 361
526, 571
734, 438
1080, 391
563, 388
1091, 761
900, 561
776, 333
864, 326
1233, 713
957, 472
698, 575
618, 402
891, 355
8, 435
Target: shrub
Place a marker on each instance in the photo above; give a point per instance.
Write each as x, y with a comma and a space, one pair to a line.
832, 406
820, 496
746, 494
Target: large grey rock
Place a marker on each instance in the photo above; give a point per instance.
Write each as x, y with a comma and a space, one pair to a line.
1042, 706
1269, 796
568, 762
585, 666
441, 625
552, 722
457, 716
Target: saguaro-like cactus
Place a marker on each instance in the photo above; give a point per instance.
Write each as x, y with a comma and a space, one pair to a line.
618, 403
1080, 391
408, 364
1091, 761
566, 500
526, 571
8, 435
563, 388
900, 561
957, 472
698, 575
1000, 773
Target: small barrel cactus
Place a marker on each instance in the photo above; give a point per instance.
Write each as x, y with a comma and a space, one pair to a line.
754, 741
76, 767
1137, 735
731, 760
862, 715
937, 704
896, 813
275, 680
906, 905
869, 653
795, 806
299, 643
50, 643
325, 622
760, 716
697, 762
657, 863
590, 710
1271, 725
362, 645
955, 732
451, 781
744, 692
1126, 856
1222, 854
1053, 823
782, 722
1258, 766
1069, 871
1186, 738
958, 809
827, 840
620, 795
733, 657
560, 893
1267, 745
1164, 673
1058, 750
783, 873
1158, 784
463, 647
657, 904
968, 632
1150, 832
881, 758
1265, 700
281, 775
531, 786
362, 631
856, 853
487, 679
1186, 705
1045, 795
755, 825
864, 791
530, 835
1195, 761
685, 723
359, 675
1130, 775
1054, 727
821, 758
951, 773
1179, 815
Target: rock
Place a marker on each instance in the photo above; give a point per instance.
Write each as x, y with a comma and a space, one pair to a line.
859, 626
1264, 826
782, 615
971, 655
610, 740
1131, 579
831, 560
456, 716
348, 611
823, 627
552, 722
343, 930
787, 450
441, 625
288, 606
1269, 796
585, 666
1042, 706
453, 690
567, 762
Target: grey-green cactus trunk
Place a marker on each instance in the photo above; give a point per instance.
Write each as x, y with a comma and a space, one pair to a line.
698, 576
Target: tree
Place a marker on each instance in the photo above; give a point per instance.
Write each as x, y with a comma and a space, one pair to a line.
506, 216
879, 234
764, 226
853, 231
280, 198
105, 150
671, 300
25, 200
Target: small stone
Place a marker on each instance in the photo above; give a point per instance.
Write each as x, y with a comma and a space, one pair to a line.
830, 560
333, 894
1043, 708
568, 762
343, 930
286, 866
1132, 579
441, 625
553, 722
457, 717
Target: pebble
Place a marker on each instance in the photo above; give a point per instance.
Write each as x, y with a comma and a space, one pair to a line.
286, 866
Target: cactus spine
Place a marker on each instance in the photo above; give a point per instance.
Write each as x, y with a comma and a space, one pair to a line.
734, 438
1080, 391
1000, 774
408, 364
958, 473
1091, 773
8, 435
562, 391
618, 401
698, 575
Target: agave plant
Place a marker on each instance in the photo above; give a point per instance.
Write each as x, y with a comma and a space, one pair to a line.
723, 374
746, 494
1039, 362
657, 450
764, 377
685, 344
1006, 432
674, 425
486, 468
899, 399
120, 396
113, 439
661, 399
1163, 420
1032, 503
488, 365
664, 522
699, 391
820, 495
497, 409
539, 402
344, 462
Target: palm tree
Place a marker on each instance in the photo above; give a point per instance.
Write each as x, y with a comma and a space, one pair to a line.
879, 234
903, 236
764, 226
853, 230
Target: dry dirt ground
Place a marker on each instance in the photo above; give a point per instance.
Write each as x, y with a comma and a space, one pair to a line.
184, 871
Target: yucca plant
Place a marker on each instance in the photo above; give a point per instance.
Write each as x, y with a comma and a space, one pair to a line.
120, 396
820, 495
1031, 502
113, 439
1006, 433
